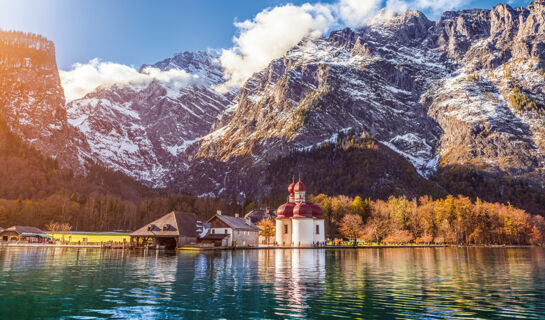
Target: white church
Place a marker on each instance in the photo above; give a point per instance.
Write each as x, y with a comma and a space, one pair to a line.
299, 223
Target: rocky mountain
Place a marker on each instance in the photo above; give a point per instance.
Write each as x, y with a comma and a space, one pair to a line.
466, 91
31, 95
403, 105
143, 130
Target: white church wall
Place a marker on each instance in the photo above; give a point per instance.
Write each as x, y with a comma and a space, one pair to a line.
283, 232
303, 232
319, 230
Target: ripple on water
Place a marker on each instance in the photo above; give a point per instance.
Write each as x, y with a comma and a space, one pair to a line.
410, 283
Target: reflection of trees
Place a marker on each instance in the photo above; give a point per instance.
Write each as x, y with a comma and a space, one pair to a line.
427, 282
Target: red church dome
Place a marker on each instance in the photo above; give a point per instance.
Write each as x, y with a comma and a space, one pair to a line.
299, 187
316, 211
285, 210
290, 188
302, 210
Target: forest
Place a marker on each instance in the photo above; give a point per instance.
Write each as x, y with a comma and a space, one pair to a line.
450, 220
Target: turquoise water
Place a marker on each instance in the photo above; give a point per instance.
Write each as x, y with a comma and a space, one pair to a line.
418, 283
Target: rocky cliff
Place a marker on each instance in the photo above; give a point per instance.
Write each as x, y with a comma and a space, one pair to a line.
453, 106
466, 90
31, 96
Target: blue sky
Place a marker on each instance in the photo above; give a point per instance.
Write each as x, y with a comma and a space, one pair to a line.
134, 32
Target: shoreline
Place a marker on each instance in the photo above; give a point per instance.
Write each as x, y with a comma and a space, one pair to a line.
189, 248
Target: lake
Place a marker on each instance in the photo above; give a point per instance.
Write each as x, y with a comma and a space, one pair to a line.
418, 283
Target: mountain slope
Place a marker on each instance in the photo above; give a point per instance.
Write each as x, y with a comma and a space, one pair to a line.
143, 130
463, 91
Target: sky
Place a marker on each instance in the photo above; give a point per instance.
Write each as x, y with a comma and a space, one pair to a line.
135, 32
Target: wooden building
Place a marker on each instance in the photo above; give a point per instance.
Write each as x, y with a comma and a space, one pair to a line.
214, 240
241, 232
24, 233
172, 230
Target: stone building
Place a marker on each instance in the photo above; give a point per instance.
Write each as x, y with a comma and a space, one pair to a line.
299, 223
241, 232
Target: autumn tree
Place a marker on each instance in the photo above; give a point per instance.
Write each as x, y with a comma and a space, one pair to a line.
268, 229
58, 227
360, 207
351, 226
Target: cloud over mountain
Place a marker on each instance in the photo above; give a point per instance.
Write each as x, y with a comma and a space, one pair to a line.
273, 31
85, 78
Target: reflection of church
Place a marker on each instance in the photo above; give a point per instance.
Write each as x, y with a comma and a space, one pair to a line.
299, 223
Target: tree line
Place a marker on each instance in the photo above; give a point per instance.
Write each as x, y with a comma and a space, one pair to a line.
451, 220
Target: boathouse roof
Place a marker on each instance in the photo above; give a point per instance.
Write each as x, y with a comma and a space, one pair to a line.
172, 224
25, 230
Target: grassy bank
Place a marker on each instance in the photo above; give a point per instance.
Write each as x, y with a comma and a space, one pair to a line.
91, 237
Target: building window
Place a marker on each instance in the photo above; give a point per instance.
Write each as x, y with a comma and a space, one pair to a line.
317, 229
225, 231
285, 228
213, 231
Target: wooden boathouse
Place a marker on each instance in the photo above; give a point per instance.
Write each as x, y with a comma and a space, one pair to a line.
172, 230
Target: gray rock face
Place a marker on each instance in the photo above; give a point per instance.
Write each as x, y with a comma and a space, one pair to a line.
466, 90
31, 96
438, 93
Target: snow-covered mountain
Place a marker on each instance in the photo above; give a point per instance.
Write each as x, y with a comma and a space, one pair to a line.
464, 91
144, 130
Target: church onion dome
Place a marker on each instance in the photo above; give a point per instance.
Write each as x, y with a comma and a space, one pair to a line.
290, 188
299, 187
285, 210
316, 211
302, 210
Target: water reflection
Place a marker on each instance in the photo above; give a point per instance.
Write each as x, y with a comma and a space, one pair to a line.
301, 283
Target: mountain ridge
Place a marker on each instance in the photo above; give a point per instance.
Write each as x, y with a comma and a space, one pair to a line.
464, 92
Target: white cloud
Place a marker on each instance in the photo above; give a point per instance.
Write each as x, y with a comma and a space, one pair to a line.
85, 78
269, 35
354, 13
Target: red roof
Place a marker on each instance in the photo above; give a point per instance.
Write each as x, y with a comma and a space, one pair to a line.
302, 210
290, 188
299, 187
285, 210
316, 211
